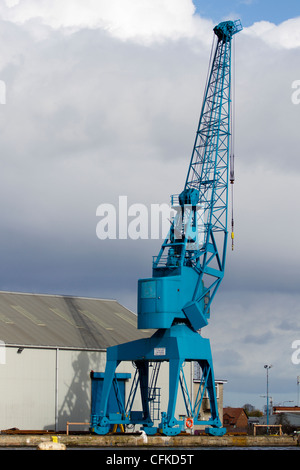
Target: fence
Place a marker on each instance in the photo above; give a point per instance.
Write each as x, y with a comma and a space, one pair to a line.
279, 426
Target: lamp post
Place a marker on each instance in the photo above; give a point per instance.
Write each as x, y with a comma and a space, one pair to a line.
267, 367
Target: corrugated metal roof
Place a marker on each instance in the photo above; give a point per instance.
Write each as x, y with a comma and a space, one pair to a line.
64, 321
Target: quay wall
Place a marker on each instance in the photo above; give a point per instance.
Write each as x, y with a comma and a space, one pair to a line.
115, 441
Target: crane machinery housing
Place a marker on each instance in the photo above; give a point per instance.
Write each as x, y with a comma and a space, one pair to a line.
186, 274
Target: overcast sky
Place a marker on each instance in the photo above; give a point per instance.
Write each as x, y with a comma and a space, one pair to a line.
101, 99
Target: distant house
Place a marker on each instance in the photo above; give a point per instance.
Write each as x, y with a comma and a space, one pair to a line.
235, 419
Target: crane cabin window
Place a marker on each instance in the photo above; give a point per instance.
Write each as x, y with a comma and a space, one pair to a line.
148, 290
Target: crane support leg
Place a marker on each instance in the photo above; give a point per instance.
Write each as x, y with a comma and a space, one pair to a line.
101, 424
175, 345
169, 425
143, 368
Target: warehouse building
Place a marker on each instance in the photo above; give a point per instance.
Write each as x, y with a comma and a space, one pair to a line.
49, 345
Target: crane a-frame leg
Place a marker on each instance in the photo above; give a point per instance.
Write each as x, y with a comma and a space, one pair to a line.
176, 345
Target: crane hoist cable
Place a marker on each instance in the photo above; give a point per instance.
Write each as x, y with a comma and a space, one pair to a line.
232, 178
231, 158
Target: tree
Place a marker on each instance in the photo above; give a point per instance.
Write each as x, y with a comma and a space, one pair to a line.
250, 410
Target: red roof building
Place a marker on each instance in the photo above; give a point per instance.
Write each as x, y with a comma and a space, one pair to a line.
235, 419
286, 409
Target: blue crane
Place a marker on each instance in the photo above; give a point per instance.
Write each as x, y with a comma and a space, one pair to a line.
186, 274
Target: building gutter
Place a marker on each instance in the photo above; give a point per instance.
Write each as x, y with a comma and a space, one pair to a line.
65, 348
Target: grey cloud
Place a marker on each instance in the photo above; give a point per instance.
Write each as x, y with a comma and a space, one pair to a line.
264, 338
288, 325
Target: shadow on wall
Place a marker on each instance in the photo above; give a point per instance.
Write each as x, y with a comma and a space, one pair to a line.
76, 405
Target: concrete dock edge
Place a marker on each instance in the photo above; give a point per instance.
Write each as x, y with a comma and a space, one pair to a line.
132, 441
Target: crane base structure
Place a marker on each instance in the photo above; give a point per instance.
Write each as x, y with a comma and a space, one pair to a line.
176, 345
186, 274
